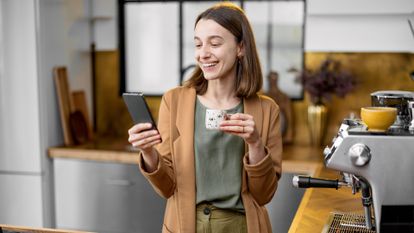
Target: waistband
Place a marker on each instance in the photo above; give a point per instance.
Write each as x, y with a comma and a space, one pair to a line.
207, 208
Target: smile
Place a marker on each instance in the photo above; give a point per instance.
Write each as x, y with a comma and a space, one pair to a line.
209, 64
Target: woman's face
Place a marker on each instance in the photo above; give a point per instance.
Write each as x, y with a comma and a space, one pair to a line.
216, 50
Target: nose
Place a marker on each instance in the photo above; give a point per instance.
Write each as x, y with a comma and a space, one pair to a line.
204, 52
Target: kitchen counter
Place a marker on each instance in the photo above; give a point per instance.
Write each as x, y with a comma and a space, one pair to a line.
313, 211
18, 229
300, 159
102, 149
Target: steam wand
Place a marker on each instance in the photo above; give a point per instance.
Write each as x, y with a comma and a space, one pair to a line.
310, 182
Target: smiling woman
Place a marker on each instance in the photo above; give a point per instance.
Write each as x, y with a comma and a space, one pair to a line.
215, 179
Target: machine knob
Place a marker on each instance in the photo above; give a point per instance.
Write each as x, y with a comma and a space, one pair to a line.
359, 154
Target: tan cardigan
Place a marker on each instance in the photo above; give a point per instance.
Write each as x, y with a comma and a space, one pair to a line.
174, 178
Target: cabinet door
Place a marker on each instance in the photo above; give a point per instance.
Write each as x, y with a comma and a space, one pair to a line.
285, 203
21, 200
105, 197
20, 142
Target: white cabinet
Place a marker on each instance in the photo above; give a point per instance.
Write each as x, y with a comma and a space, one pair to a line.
19, 134
359, 26
285, 203
21, 200
366, 7
105, 197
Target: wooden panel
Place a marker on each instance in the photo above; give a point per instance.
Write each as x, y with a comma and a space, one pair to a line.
112, 117
65, 101
111, 114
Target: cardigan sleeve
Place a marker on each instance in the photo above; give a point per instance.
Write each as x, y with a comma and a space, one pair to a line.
162, 179
263, 177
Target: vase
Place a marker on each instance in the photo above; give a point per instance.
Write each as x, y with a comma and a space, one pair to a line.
317, 121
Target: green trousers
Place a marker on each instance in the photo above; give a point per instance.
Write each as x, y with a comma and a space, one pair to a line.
211, 219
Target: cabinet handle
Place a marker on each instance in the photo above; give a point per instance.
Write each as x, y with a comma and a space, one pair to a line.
119, 182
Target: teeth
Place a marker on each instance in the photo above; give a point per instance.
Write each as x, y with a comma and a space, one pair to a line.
209, 64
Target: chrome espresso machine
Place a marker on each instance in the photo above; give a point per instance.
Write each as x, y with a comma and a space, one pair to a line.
380, 165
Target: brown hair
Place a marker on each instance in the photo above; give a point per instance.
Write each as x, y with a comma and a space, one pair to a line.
249, 73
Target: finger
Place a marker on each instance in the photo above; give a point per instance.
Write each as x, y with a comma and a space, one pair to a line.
237, 129
142, 135
248, 123
151, 144
146, 142
241, 116
139, 127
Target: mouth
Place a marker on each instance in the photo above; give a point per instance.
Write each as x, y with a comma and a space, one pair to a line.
209, 65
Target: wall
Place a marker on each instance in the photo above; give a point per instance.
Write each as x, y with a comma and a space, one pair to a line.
104, 31
370, 38
373, 72
63, 39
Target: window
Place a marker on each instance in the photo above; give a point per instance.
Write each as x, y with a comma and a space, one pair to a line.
157, 48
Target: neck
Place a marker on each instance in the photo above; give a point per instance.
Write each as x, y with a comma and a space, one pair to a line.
220, 94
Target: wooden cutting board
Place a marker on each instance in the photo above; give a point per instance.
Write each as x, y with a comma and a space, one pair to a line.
79, 101
65, 102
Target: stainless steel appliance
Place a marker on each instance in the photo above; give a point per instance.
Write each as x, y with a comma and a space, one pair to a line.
381, 166
395, 99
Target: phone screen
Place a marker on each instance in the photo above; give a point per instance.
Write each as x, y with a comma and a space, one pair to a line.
138, 108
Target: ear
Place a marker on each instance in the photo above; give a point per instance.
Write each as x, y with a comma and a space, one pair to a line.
240, 50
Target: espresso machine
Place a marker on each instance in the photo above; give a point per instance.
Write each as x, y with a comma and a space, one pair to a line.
379, 164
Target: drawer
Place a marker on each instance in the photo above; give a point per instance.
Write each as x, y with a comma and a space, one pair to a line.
105, 197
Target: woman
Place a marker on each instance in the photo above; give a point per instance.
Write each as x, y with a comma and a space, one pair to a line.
215, 180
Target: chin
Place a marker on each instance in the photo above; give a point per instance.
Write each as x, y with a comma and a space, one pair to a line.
210, 76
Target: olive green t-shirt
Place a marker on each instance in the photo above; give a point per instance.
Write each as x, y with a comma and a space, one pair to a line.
218, 163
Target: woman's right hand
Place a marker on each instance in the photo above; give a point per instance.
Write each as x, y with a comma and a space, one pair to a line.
142, 137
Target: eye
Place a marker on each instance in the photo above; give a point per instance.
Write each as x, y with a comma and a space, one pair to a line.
215, 44
197, 45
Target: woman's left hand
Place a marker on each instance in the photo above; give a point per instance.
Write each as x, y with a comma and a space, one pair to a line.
242, 125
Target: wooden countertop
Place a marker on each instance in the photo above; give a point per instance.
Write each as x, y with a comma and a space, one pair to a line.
102, 149
16, 229
296, 159
316, 204
118, 150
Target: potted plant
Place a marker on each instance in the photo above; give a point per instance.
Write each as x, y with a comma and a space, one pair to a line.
321, 84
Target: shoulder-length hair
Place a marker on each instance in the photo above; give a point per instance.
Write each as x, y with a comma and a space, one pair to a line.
249, 78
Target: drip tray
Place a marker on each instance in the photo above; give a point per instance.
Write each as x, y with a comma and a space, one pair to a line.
346, 223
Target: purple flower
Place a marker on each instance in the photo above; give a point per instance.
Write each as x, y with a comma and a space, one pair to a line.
327, 81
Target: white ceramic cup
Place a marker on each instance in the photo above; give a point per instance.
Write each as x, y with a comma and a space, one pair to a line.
214, 117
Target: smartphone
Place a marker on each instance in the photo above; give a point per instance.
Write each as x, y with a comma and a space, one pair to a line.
138, 108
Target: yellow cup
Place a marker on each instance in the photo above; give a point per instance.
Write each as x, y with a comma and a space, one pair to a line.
378, 118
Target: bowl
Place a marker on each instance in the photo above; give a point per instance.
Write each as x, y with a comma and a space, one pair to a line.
378, 118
